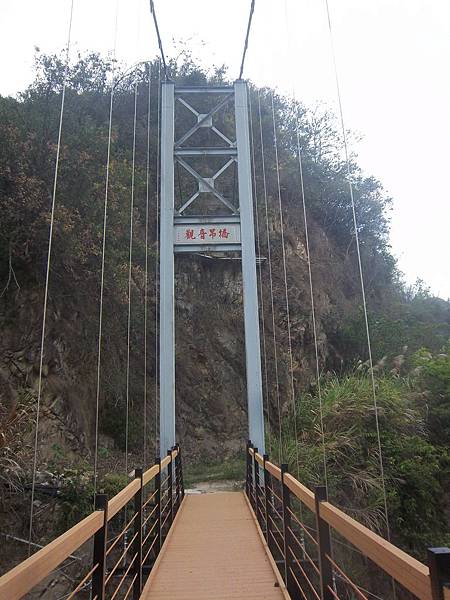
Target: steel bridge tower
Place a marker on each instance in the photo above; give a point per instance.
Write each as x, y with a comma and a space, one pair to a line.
208, 220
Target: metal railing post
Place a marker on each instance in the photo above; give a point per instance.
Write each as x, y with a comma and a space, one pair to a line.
158, 505
324, 546
169, 486
137, 586
181, 472
99, 554
439, 564
177, 478
248, 463
256, 479
286, 522
287, 537
266, 476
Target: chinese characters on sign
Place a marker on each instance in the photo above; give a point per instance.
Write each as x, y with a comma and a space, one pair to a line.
227, 233
207, 234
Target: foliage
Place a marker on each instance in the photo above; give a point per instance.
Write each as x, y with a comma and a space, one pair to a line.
415, 463
432, 377
113, 424
77, 493
14, 421
29, 131
415, 470
407, 319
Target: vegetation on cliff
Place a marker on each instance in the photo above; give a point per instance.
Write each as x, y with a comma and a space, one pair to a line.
414, 411
409, 327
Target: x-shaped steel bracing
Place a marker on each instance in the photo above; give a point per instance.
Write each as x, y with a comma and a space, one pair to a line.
205, 120
205, 184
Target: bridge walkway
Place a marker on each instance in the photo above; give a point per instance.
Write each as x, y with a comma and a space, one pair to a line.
214, 550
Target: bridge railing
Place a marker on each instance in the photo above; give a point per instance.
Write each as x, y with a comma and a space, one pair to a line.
310, 540
126, 534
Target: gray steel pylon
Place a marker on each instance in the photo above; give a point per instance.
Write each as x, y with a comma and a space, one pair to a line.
230, 230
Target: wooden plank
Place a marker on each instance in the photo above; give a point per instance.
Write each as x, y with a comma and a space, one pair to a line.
20, 580
163, 550
409, 572
300, 491
274, 470
120, 499
214, 551
273, 564
150, 474
251, 451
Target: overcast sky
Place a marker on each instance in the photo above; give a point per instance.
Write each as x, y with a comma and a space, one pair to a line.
394, 64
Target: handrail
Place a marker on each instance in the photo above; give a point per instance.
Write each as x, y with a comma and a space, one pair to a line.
259, 459
409, 572
413, 575
271, 467
300, 491
21, 579
150, 474
122, 498
274, 470
165, 461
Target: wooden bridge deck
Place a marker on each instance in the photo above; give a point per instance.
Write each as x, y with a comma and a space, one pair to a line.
214, 550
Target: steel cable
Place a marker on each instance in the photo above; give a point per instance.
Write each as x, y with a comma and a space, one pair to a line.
247, 35
360, 269
47, 276
269, 260
157, 452
288, 316
308, 258
102, 276
155, 22
130, 265
147, 198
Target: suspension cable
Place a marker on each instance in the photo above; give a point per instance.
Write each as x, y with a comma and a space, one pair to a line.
155, 21
247, 35
361, 273
313, 308
269, 260
158, 134
286, 294
130, 265
261, 295
102, 276
147, 197
47, 277
308, 258
313, 316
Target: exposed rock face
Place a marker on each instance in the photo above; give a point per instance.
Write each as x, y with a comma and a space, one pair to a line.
210, 360
66, 382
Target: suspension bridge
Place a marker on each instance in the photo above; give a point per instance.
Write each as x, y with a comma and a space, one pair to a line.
277, 538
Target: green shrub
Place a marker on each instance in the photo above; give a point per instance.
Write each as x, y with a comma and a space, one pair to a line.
414, 468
